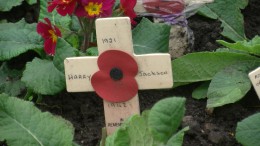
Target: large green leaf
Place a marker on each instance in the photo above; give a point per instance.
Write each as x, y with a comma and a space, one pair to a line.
201, 91
19, 25
251, 46
202, 66
133, 132
165, 118
177, 139
6, 5
228, 12
17, 39
230, 84
248, 131
22, 124
10, 82
119, 138
151, 37
139, 133
63, 50
63, 22
43, 77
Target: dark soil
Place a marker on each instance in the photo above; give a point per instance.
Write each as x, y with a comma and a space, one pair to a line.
85, 110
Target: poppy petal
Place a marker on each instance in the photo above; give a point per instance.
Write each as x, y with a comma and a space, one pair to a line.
114, 91
119, 59
115, 81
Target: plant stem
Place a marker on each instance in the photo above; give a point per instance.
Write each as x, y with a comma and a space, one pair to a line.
88, 31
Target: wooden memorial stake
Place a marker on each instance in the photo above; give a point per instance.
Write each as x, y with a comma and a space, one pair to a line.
154, 70
255, 79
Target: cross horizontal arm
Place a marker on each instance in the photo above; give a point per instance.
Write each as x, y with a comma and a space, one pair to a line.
154, 72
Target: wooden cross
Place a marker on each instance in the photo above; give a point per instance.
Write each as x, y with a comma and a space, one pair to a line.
255, 79
154, 70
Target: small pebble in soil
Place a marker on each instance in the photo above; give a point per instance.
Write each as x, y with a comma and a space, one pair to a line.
193, 124
216, 137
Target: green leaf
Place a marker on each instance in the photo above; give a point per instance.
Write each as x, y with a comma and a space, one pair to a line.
93, 51
63, 50
118, 138
248, 131
30, 2
201, 91
228, 12
72, 39
10, 81
21, 123
133, 132
177, 139
43, 77
202, 66
230, 84
75, 26
151, 37
140, 130
18, 39
63, 22
165, 118
6, 5
251, 46
19, 25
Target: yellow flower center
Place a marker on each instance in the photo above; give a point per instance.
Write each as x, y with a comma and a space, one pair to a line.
66, 1
53, 36
93, 9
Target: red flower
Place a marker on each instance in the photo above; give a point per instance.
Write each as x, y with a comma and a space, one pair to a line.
115, 81
127, 6
63, 7
50, 35
94, 8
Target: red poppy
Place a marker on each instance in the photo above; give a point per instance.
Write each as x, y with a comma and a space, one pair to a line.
127, 6
63, 7
50, 35
94, 8
115, 80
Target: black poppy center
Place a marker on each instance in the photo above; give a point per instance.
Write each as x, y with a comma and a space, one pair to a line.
116, 74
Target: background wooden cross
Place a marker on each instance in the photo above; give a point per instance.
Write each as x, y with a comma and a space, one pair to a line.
154, 70
255, 79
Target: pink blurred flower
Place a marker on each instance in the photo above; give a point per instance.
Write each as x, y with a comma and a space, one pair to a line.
50, 35
94, 8
63, 7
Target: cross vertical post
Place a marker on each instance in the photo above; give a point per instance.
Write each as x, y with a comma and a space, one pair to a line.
254, 76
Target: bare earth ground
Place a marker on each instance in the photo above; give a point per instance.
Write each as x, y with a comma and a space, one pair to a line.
85, 110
